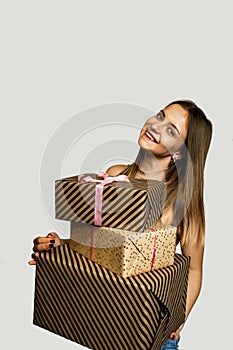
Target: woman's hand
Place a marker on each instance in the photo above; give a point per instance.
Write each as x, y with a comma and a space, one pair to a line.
52, 240
175, 335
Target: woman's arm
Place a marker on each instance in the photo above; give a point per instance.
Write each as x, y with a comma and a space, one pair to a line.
196, 251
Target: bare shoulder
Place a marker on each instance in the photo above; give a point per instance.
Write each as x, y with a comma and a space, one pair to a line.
114, 170
167, 217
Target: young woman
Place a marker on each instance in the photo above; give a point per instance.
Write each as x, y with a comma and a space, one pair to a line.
173, 147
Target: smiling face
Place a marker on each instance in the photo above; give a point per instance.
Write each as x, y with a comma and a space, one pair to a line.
165, 133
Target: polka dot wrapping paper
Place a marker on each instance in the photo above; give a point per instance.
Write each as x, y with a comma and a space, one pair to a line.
124, 252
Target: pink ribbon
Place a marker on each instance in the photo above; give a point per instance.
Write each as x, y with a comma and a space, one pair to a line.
154, 251
99, 191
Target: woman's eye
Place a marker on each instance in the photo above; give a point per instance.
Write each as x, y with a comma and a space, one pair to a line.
171, 131
159, 116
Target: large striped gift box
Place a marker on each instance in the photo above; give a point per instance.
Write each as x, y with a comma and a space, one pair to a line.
125, 252
134, 205
88, 304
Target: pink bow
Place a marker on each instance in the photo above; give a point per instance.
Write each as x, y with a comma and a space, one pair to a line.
99, 191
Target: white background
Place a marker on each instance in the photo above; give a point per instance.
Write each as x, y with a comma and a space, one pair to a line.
62, 57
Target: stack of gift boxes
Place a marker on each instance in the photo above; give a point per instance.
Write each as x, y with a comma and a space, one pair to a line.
117, 283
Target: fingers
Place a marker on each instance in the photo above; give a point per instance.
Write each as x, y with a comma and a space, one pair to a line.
32, 262
35, 256
44, 239
44, 246
55, 239
39, 240
45, 243
53, 235
52, 240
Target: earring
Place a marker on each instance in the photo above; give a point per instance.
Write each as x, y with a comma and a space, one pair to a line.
174, 158
172, 161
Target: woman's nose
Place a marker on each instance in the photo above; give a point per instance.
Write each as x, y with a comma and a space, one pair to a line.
155, 129
156, 132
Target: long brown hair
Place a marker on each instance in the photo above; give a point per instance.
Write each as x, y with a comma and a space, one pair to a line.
185, 177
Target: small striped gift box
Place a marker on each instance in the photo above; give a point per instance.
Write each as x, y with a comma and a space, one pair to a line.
124, 252
88, 304
134, 205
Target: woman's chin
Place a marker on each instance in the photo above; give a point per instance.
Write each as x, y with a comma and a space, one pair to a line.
145, 144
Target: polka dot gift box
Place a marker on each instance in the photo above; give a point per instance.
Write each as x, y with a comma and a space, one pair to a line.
125, 252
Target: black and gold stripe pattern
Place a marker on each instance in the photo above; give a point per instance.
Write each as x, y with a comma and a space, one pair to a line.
90, 305
133, 206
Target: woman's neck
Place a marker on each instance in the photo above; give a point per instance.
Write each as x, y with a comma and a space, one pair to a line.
152, 167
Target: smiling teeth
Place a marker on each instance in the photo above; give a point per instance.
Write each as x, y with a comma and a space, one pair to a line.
150, 136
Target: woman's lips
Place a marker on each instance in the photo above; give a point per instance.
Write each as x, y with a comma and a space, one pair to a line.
149, 136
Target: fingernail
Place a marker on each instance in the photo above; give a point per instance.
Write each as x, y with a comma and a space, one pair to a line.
52, 241
51, 245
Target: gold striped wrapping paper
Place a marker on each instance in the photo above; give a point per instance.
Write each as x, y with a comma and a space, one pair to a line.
124, 252
133, 206
88, 304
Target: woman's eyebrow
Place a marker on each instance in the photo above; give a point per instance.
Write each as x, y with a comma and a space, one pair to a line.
174, 126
